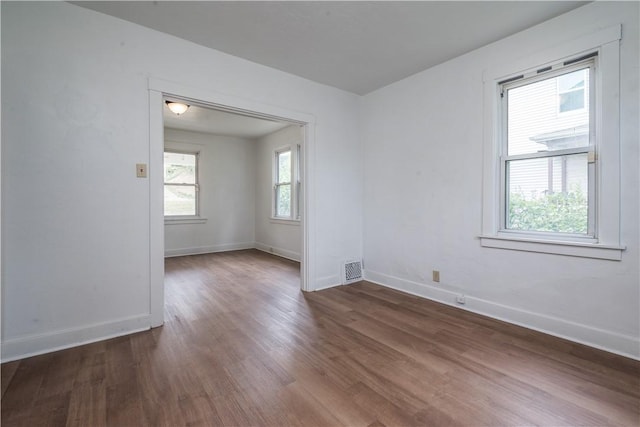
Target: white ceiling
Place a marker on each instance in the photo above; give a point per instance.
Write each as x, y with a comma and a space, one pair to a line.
207, 120
358, 46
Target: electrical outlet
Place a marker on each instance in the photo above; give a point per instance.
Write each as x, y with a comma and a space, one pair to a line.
460, 299
436, 276
141, 170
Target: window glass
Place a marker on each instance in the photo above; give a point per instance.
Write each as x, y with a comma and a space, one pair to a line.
533, 124
179, 168
548, 194
180, 184
284, 166
283, 196
282, 186
179, 200
546, 169
571, 91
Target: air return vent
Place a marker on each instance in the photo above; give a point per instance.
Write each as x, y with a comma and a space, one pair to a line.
351, 272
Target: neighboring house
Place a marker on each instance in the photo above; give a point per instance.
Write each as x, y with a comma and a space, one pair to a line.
549, 115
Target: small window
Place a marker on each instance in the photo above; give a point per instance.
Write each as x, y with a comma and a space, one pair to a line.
548, 167
286, 184
180, 184
572, 91
282, 187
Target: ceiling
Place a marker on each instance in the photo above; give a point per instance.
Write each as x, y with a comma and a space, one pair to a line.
207, 120
358, 46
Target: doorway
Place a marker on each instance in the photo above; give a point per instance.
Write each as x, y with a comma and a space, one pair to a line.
161, 90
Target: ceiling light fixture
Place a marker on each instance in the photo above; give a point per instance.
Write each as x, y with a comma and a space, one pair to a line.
177, 107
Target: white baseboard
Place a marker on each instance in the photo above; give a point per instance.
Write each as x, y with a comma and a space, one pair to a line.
284, 253
168, 253
613, 342
327, 282
33, 345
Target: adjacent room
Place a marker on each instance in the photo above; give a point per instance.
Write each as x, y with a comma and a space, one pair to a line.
361, 214
231, 182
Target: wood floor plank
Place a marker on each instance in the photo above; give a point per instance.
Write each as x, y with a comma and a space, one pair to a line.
385, 411
243, 346
88, 405
23, 389
8, 371
333, 398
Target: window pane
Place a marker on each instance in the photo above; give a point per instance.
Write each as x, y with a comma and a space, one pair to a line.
283, 200
284, 166
179, 200
570, 101
571, 81
534, 123
548, 194
179, 168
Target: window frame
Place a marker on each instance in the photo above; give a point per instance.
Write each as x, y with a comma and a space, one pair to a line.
295, 184
185, 218
605, 243
298, 182
277, 183
530, 77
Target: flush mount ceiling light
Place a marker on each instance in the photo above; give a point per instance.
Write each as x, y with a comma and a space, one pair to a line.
177, 107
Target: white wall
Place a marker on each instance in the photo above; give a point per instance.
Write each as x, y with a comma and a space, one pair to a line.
423, 142
226, 169
282, 238
235, 195
75, 121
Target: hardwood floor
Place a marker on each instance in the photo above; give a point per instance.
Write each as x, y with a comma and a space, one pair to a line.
243, 346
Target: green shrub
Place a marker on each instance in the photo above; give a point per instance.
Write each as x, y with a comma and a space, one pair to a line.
556, 212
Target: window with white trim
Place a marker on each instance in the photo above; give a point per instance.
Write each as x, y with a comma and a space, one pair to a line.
547, 160
551, 179
286, 184
181, 184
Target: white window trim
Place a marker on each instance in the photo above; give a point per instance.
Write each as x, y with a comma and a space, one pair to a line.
607, 243
284, 221
186, 219
180, 220
297, 179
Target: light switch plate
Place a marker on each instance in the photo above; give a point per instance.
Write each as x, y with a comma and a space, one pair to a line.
141, 170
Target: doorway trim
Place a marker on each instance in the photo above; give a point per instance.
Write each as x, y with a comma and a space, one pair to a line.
158, 89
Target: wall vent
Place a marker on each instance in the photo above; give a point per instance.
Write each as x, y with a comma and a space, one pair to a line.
351, 272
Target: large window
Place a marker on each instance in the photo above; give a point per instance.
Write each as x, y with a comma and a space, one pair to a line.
180, 184
551, 175
548, 159
286, 185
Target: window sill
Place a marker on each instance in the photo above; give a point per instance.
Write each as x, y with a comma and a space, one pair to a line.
576, 249
184, 220
283, 221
